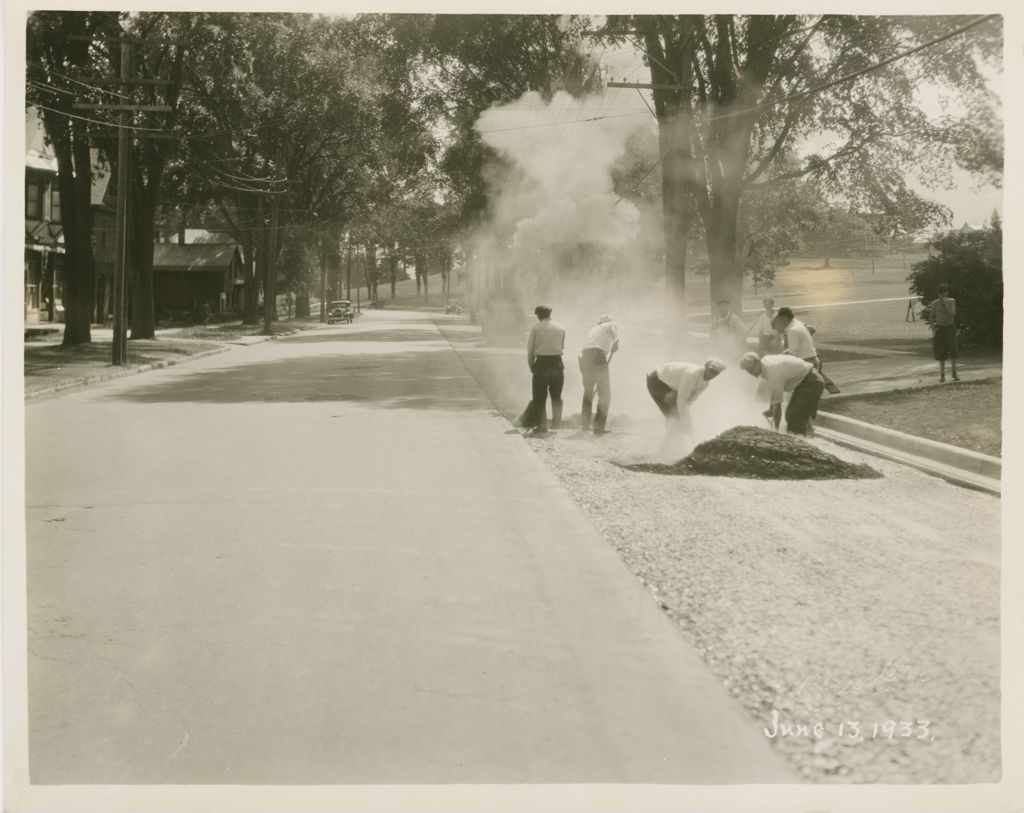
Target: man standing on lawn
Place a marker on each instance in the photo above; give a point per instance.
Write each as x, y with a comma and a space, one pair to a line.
602, 342
797, 338
544, 355
942, 317
674, 386
788, 374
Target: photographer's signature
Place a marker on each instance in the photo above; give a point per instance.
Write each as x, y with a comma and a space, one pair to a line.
828, 691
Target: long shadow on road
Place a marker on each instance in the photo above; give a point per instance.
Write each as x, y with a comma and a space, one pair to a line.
426, 379
371, 335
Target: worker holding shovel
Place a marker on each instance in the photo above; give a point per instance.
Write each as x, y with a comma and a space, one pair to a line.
602, 342
674, 386
793, 375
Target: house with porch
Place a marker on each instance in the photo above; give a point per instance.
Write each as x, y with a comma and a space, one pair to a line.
44, 245
44, 234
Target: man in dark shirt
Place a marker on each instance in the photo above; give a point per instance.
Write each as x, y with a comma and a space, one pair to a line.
942, 316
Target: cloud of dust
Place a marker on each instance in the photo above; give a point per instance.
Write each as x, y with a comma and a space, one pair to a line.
564, 238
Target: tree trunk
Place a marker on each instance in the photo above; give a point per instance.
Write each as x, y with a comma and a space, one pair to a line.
323, 281
348, 274
250, 292
722, 234
371, 271
74, 178
268, 292
393, 273
421, 273
675, 210
143, 324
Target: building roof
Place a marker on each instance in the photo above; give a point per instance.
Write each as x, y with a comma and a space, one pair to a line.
194, 257
39, 156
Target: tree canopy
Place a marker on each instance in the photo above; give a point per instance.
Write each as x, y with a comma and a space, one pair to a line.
740, 98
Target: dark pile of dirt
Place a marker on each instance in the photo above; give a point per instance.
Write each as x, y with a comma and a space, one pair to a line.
749, 451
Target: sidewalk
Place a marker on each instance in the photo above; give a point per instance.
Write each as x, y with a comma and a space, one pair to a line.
889, 369
51, 368
864, 376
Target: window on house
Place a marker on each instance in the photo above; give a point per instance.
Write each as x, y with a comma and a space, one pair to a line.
33, 200
55, 205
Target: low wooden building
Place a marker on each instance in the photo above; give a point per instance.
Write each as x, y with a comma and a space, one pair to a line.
187, 277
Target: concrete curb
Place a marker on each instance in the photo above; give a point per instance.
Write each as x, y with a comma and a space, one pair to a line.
98, 379
960, 466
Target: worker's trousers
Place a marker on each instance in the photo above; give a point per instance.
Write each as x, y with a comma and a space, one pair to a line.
548, 377
594, 367
803, 404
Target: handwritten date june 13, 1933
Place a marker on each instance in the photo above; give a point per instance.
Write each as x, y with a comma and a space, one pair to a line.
855, 730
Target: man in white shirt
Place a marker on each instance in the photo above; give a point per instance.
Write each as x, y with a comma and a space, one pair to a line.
674, 386
602, 342
788, 374
797, 338
768, 338
544, 355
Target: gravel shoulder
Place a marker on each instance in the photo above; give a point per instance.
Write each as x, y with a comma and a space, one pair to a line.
829, 601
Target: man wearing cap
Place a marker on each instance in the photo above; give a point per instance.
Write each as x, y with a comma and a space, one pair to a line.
602, 342
790, 374
544, 355
674, 386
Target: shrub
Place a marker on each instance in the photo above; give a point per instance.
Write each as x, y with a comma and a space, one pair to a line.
971, 263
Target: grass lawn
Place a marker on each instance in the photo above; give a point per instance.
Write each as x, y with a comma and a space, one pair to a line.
52, 365
966, 414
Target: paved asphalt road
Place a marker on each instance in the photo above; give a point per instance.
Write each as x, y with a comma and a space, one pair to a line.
326, 560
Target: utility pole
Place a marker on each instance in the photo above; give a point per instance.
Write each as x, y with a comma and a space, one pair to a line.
269, 281
348, 269
323, 281
119, 355
120, 348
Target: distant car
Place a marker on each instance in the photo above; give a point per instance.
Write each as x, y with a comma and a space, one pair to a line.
340, 311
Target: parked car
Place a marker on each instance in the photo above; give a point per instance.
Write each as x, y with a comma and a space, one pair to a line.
340, 311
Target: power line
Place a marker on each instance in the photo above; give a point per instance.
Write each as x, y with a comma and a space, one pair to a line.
77, 82
103, 123
577, 121
226, 174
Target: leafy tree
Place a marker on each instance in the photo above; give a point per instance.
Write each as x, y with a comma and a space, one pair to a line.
771, 225
57, 67
470, 62
165, 39
836, 232
300, 117
971, 263
739, 95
